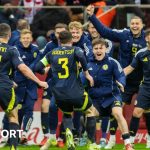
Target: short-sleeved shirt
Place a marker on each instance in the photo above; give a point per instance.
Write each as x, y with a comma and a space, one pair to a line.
9, 60
64, 64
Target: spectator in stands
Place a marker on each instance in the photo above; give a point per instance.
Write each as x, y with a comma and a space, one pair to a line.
122, 19
9, 15
15, 35
33, 7
45, 20
76, 13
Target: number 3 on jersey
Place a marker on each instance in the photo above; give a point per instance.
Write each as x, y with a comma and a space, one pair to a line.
63, 62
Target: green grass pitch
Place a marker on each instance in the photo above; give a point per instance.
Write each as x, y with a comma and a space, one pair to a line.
117, 147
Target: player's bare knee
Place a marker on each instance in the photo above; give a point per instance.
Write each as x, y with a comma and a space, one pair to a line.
117, 113
91, 112
13, 115
45, 105
117, 116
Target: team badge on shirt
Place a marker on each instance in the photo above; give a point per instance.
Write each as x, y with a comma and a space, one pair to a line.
35, 54
105, 67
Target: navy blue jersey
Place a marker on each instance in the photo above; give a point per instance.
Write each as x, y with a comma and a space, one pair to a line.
143, 57
64, 64
128, 44
110, 45
105, 73
15, 38
9, 59
86, 45
49, 47
30, 56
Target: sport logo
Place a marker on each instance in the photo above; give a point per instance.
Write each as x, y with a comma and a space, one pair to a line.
10, 133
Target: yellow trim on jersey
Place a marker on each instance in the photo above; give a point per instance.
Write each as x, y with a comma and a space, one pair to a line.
10, 71
12, 101
44, 61
142, 81
68, 113
77, 68
0, 58
85, 103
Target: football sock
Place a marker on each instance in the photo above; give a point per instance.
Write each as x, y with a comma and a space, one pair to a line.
126, 138
134, 125
67, 122
113, 126
104, 127
76, 123
14, 138
53, 119
27, 121
91, 128
147, 119
45, 122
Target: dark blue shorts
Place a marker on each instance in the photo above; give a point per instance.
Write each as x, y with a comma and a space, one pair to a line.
47, 93
7, 99
106, 112
143, 98
70, 105
128, 93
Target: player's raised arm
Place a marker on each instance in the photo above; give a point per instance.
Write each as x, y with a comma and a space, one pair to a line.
90, 10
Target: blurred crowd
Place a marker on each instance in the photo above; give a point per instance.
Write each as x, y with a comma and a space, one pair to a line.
43, 20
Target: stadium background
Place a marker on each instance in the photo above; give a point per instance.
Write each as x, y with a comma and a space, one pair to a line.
35, 134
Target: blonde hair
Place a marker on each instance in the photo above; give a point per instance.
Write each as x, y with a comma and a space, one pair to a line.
25, 31
75, 24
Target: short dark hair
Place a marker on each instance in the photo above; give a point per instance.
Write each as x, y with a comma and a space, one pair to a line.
22, 24
147, 32
65, 37
61, 25
5, 30
101, 41
136, 17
